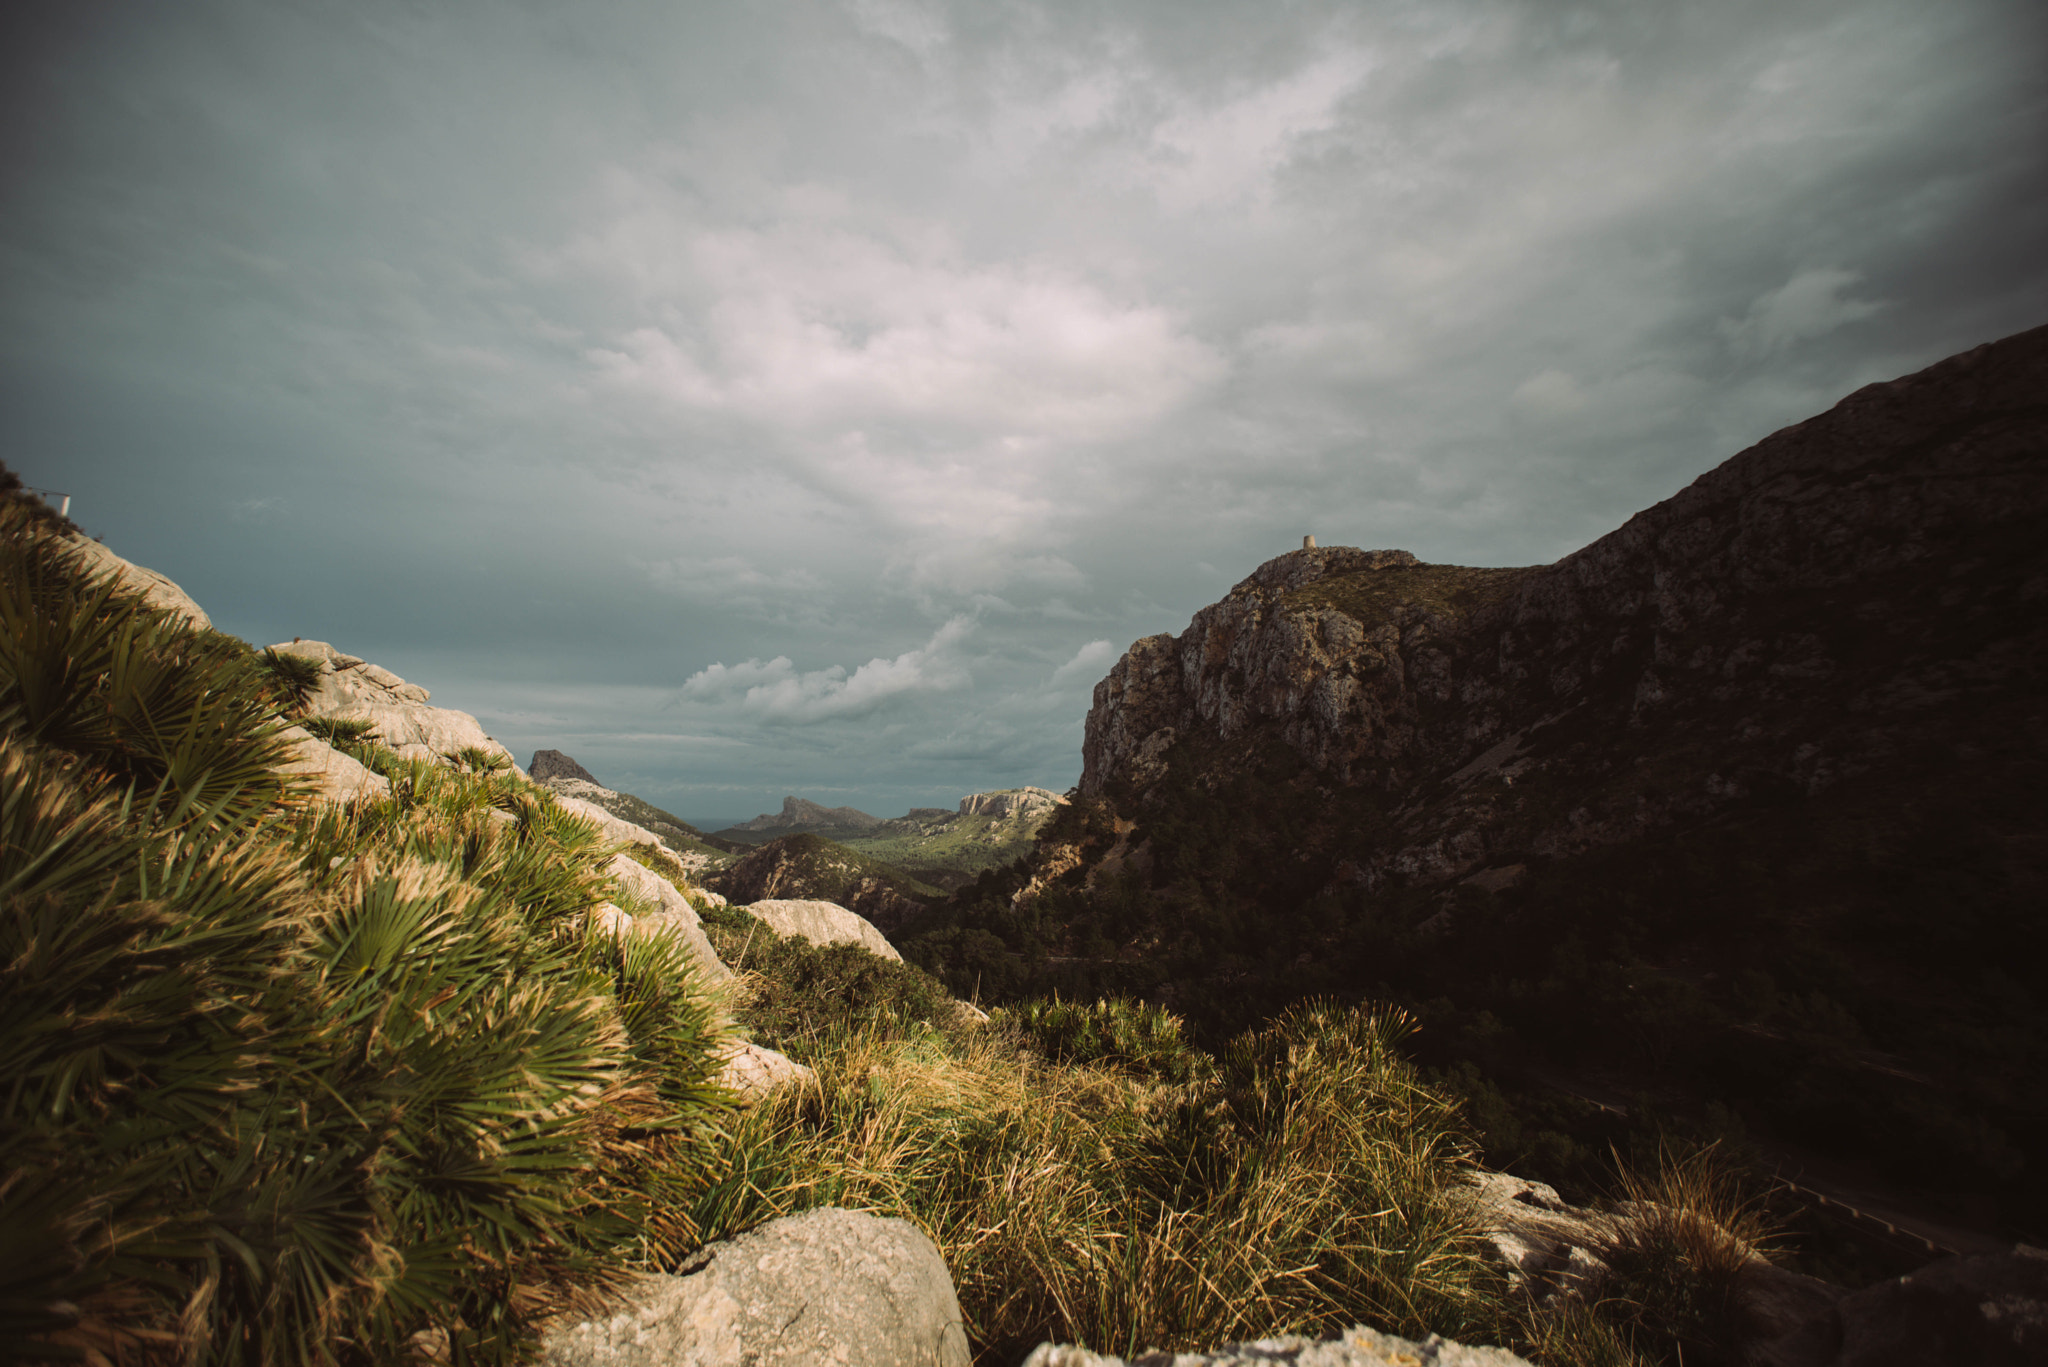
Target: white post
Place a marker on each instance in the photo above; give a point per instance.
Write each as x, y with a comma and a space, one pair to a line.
65, 510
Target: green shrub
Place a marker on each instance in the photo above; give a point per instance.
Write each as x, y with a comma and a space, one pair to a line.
1120, 1032
801, 998
291, 678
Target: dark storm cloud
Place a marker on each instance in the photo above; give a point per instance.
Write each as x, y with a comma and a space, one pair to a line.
817, 397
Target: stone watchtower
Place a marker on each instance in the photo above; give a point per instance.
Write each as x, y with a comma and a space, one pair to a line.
1308, 543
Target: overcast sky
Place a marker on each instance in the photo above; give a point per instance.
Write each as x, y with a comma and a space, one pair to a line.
816, 398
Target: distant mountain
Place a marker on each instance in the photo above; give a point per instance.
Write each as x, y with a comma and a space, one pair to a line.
801, 814
1743, 803
549, 764
940, 847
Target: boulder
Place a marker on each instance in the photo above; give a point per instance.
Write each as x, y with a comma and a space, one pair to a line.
97, 562
751, 1071
1355, 1347
331, 775
666, 910
549, 764
826, 1286
352, 689
823, 923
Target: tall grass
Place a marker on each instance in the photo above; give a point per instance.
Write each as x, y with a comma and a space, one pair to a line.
1307, 1182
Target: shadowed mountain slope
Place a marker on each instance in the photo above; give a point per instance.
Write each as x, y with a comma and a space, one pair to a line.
1742, 803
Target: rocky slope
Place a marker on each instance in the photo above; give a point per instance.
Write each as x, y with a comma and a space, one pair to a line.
561, 774
1742, 801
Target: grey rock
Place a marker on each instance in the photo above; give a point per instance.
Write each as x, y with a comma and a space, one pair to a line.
97, 563
549, 764
823, 923
662, 909
828, 1286
1355, 1347
751, 1071
352, 689
329, 775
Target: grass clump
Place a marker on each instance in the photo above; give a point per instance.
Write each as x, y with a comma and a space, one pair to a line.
1135, 1036
1690, 1231
1308, 1181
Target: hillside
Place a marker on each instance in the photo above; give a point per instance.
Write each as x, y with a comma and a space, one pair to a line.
810, 866
1739, 807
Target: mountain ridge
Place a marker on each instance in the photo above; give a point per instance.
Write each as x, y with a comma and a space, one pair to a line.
1701, 805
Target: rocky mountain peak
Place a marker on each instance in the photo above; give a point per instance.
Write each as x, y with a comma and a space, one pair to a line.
549, 764
798, 812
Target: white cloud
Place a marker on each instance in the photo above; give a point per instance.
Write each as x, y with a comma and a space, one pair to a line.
1090, 662
1811, 304
966, 569
776, 692
828, 330
1210, 153
257, 509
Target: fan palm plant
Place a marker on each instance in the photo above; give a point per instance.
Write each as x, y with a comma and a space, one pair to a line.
283, 1084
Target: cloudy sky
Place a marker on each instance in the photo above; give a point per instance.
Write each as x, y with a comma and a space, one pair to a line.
808, 397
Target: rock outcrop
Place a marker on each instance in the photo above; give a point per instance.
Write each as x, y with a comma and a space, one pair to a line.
352, 689
1009, 802
1355, 1347
330, 775
627, 817
152, 588
549, 764
823, 923
1551, 1249
752, 1071
826, 1286
661, 908
1984, 1311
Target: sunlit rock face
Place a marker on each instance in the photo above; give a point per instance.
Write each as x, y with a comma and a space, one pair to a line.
353, 689
1854, 587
